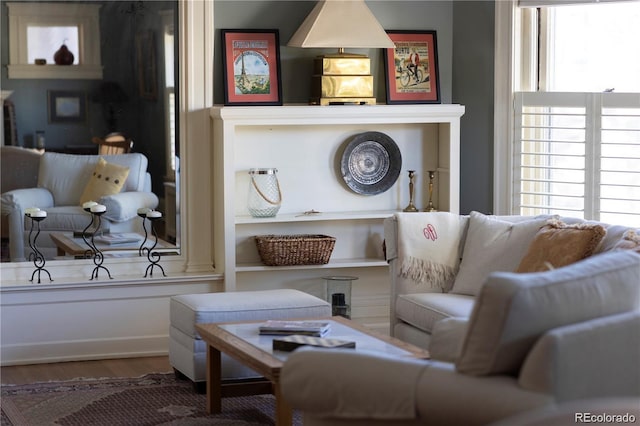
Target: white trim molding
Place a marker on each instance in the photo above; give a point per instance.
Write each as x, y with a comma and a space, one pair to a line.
85, 16
504, 84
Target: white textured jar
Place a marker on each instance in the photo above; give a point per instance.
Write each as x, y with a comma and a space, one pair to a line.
265, 197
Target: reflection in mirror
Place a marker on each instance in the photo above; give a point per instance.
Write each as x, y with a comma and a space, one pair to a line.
54, 115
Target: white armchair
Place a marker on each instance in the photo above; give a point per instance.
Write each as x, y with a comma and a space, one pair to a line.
62, 179
533, 340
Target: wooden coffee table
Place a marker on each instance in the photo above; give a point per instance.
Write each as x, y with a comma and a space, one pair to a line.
69, 245
243, 342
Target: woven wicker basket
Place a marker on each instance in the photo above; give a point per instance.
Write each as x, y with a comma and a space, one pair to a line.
282, 250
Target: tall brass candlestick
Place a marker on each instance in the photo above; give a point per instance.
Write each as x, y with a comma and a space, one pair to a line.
430, 206
411, 207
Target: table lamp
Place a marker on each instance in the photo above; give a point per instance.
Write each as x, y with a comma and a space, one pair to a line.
341, 78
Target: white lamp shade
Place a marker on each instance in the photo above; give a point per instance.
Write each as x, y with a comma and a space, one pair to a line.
341, 24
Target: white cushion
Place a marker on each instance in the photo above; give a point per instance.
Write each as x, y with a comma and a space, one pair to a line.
124, 206
350, 384
66, 175
492, 245
565, 413
614, 236
447, 338
423, 310
513, 310
186, 310
561, 361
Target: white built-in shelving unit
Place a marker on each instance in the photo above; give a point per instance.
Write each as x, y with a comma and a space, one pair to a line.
304, 143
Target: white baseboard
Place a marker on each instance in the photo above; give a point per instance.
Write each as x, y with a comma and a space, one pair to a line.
85, 322
62, 351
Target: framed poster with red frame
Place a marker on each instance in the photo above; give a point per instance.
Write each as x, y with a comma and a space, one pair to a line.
412, 68
251, 67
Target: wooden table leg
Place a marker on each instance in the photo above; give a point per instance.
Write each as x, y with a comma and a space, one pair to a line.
214, 380
284, 413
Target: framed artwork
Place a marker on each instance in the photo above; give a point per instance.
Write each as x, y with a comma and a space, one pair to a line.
412, 68
66, 106
251, 67
146, 62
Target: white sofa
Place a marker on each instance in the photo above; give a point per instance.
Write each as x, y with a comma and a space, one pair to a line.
482, 244
533, 341
61, 181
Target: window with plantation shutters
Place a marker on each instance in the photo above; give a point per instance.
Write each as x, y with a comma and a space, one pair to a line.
577, 154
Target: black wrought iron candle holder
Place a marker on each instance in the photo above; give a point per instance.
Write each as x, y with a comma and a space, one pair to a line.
152, 256
142, 212
98, 257
36, 255
89, 253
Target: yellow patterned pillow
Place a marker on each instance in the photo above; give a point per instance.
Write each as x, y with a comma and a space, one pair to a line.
107, 179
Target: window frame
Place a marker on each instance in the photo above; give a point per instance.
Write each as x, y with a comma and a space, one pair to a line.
85, 16
170, 102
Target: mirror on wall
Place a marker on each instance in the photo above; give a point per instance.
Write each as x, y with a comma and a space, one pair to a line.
60, 97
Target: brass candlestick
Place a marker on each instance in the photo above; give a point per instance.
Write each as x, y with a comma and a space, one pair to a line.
430, 206
411, 207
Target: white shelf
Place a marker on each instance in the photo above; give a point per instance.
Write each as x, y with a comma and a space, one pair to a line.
304, 143
78, 72
313, 217
341, 263
300, 115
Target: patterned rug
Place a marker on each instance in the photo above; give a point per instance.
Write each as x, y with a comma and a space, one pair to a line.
154, 399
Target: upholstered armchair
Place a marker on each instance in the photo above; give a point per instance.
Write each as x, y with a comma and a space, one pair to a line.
63, 183
18, 169
534, 340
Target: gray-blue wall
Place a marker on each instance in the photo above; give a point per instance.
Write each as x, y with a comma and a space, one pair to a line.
465, 36
465, 31
473, 85
297, 63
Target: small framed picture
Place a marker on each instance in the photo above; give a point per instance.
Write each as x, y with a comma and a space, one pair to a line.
67, 106
251, 67
412, 68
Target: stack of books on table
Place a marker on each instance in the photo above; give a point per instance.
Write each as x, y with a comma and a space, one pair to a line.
304, 328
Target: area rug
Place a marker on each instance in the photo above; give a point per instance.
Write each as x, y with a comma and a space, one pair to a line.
153, 399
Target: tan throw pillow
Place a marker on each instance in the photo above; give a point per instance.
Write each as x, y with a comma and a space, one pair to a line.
107, 179
558, 244
630, 241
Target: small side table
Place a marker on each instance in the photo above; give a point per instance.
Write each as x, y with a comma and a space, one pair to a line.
338, 291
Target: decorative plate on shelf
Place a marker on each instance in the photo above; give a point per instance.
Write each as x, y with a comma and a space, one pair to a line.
371, 163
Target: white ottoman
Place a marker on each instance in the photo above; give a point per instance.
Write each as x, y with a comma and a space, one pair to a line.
188, 353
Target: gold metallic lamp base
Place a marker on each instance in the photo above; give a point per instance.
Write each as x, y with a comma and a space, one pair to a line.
342, 79
342, 101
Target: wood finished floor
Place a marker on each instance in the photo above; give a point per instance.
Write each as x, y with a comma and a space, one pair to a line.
128, 367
